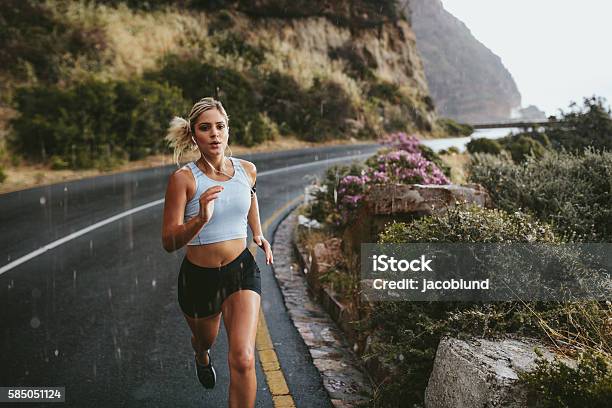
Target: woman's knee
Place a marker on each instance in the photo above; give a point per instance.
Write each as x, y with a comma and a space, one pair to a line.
242, 360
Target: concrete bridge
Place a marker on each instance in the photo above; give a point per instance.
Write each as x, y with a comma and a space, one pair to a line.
525, 125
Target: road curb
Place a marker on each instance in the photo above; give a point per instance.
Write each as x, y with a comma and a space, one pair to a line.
339, 368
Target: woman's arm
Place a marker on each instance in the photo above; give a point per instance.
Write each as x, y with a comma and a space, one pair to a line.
175, 233
253, 216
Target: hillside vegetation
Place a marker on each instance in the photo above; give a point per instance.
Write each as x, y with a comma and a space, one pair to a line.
94, 83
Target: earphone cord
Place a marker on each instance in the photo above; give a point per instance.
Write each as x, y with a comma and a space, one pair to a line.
225, 174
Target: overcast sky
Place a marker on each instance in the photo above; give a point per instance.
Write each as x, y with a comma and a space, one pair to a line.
556, 50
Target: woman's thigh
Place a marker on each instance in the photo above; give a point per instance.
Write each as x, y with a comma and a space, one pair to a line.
240, 316
205, 329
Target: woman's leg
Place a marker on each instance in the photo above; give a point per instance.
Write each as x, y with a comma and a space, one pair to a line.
240, 316
204, 333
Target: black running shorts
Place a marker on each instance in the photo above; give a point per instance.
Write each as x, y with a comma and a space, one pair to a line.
201, 291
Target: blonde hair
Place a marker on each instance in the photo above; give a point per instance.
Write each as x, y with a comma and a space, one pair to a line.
182, 130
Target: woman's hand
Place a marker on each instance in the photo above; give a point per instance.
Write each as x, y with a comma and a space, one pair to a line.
265, 245
207, 203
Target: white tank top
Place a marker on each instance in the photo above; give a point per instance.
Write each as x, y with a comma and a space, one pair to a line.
229, 219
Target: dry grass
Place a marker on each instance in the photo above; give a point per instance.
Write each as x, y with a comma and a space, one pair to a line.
136, 41
301, 51
458, 163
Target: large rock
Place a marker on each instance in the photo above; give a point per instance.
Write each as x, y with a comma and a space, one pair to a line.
481, 373
422, 199
404, 202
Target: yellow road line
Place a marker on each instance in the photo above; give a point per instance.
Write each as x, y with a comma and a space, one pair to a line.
275, 378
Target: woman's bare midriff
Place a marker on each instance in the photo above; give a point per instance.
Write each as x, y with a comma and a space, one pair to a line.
216, 254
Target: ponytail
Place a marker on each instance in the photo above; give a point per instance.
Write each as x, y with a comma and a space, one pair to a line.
179, 138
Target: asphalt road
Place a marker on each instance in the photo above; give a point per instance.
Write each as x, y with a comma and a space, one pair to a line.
98, 313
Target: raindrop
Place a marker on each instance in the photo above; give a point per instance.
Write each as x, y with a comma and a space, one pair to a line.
119, 353
9, 258
35, 322
94, 369
90, 244
65, 189
11, 284
36, 293
110, 294
136, 281
43, 200
153, 283
56, 352
73, 275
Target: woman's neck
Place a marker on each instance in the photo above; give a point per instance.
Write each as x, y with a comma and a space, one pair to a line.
218, 162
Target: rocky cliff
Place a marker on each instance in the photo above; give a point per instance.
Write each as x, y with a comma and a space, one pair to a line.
468, 82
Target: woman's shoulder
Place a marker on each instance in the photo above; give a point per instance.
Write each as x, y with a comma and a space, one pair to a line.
183, 178
249, 168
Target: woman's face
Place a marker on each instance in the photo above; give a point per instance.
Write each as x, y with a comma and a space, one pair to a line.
211, 132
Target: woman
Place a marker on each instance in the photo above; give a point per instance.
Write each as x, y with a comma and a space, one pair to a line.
207, 207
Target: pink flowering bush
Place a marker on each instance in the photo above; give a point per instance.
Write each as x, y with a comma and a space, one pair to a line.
402, 141
405, 161
350, 191
400, 166
409, 143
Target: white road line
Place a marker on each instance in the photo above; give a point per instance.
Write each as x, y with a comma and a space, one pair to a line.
116, 217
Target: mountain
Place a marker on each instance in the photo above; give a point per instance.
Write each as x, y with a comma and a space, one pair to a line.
467, 81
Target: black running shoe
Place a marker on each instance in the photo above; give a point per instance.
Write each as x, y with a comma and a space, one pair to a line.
206, 373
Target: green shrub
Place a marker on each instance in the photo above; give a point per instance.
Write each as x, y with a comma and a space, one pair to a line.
92, 118
455, 129
539, 137
582, 127
570, 191
522, 147
555, 384
261, 125
359, 62
325, 206
234, 44
453, 150
483, 145
408, 333
143, 110
386, 91
58, 163
283, 99
327, 107
15, 160
470, 224
33, 41
198, 80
